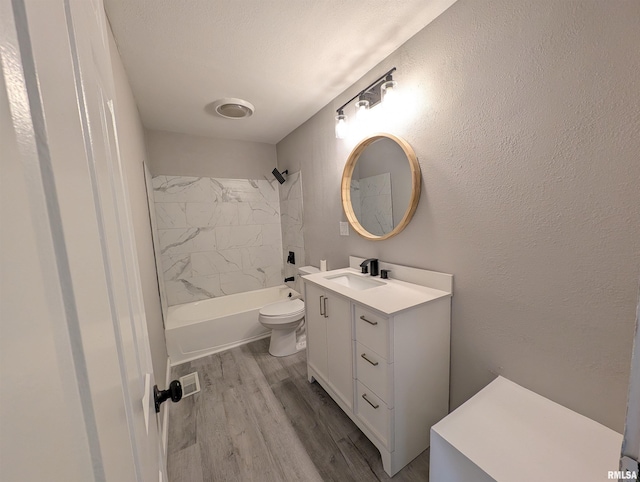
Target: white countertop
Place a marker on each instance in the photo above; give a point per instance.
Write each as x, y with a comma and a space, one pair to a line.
512, 433
391, 298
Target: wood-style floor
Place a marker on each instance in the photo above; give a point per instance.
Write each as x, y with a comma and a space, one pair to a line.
257, 418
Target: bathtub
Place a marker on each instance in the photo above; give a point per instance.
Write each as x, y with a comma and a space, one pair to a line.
200, 328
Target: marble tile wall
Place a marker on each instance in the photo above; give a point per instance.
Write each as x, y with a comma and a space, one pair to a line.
217, 236
292, 226
355, 198
376, 208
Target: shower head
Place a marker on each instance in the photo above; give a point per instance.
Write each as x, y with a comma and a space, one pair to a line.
279, 176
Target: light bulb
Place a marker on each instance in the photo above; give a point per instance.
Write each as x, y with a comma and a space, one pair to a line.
341, 125
362, 108
389, 94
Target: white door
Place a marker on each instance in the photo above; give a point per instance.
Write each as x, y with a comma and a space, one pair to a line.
76, 403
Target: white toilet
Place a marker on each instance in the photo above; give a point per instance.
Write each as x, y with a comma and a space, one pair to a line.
284, 318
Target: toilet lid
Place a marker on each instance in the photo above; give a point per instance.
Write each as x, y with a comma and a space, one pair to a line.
283, 308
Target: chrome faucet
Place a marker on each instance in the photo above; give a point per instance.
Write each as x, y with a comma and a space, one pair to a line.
373, 262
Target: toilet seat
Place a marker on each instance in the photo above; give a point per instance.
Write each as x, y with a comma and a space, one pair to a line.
282, 312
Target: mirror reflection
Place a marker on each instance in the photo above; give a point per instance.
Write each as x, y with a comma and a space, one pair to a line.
381, 186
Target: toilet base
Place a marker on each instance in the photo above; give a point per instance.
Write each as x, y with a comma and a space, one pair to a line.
283, 343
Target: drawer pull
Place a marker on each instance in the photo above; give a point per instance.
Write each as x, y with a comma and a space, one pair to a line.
374, 405
374, 363
374, 323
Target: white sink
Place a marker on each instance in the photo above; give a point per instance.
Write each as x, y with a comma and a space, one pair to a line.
354, 281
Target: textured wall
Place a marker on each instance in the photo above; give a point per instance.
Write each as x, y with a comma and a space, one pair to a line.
175, 154
132, 149
525, 117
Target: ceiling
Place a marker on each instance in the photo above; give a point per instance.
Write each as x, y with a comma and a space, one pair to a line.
289, 58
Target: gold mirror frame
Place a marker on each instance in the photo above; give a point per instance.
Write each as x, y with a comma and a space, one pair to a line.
346, 185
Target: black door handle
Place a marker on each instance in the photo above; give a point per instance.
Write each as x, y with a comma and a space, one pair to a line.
174, 393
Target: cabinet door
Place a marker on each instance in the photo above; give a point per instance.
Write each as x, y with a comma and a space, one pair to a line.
316, 329
339, 348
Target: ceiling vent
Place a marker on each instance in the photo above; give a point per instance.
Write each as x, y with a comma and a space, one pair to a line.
231, 108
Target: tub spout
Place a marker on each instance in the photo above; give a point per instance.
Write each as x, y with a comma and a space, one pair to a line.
290, 278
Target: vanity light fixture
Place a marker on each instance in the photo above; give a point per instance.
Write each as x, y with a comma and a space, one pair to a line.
362, 106
379, 90
388, 89
341, 125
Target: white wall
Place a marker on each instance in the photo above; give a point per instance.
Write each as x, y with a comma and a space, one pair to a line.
175, 154
525, 118
132, 149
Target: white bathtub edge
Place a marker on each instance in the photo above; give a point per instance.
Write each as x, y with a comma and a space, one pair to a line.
175, 324
220, 348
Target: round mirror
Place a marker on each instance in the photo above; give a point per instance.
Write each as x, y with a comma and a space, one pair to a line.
380, 186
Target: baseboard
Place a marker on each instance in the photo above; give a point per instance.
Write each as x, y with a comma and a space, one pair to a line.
165, 415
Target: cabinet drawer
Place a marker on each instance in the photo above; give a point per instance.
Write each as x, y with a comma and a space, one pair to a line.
373, 412
374, 371
372, 330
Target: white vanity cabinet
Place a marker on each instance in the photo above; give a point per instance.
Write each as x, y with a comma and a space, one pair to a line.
329, 347
383, 355
402, 377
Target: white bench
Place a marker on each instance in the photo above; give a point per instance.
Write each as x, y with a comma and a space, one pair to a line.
508, 433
